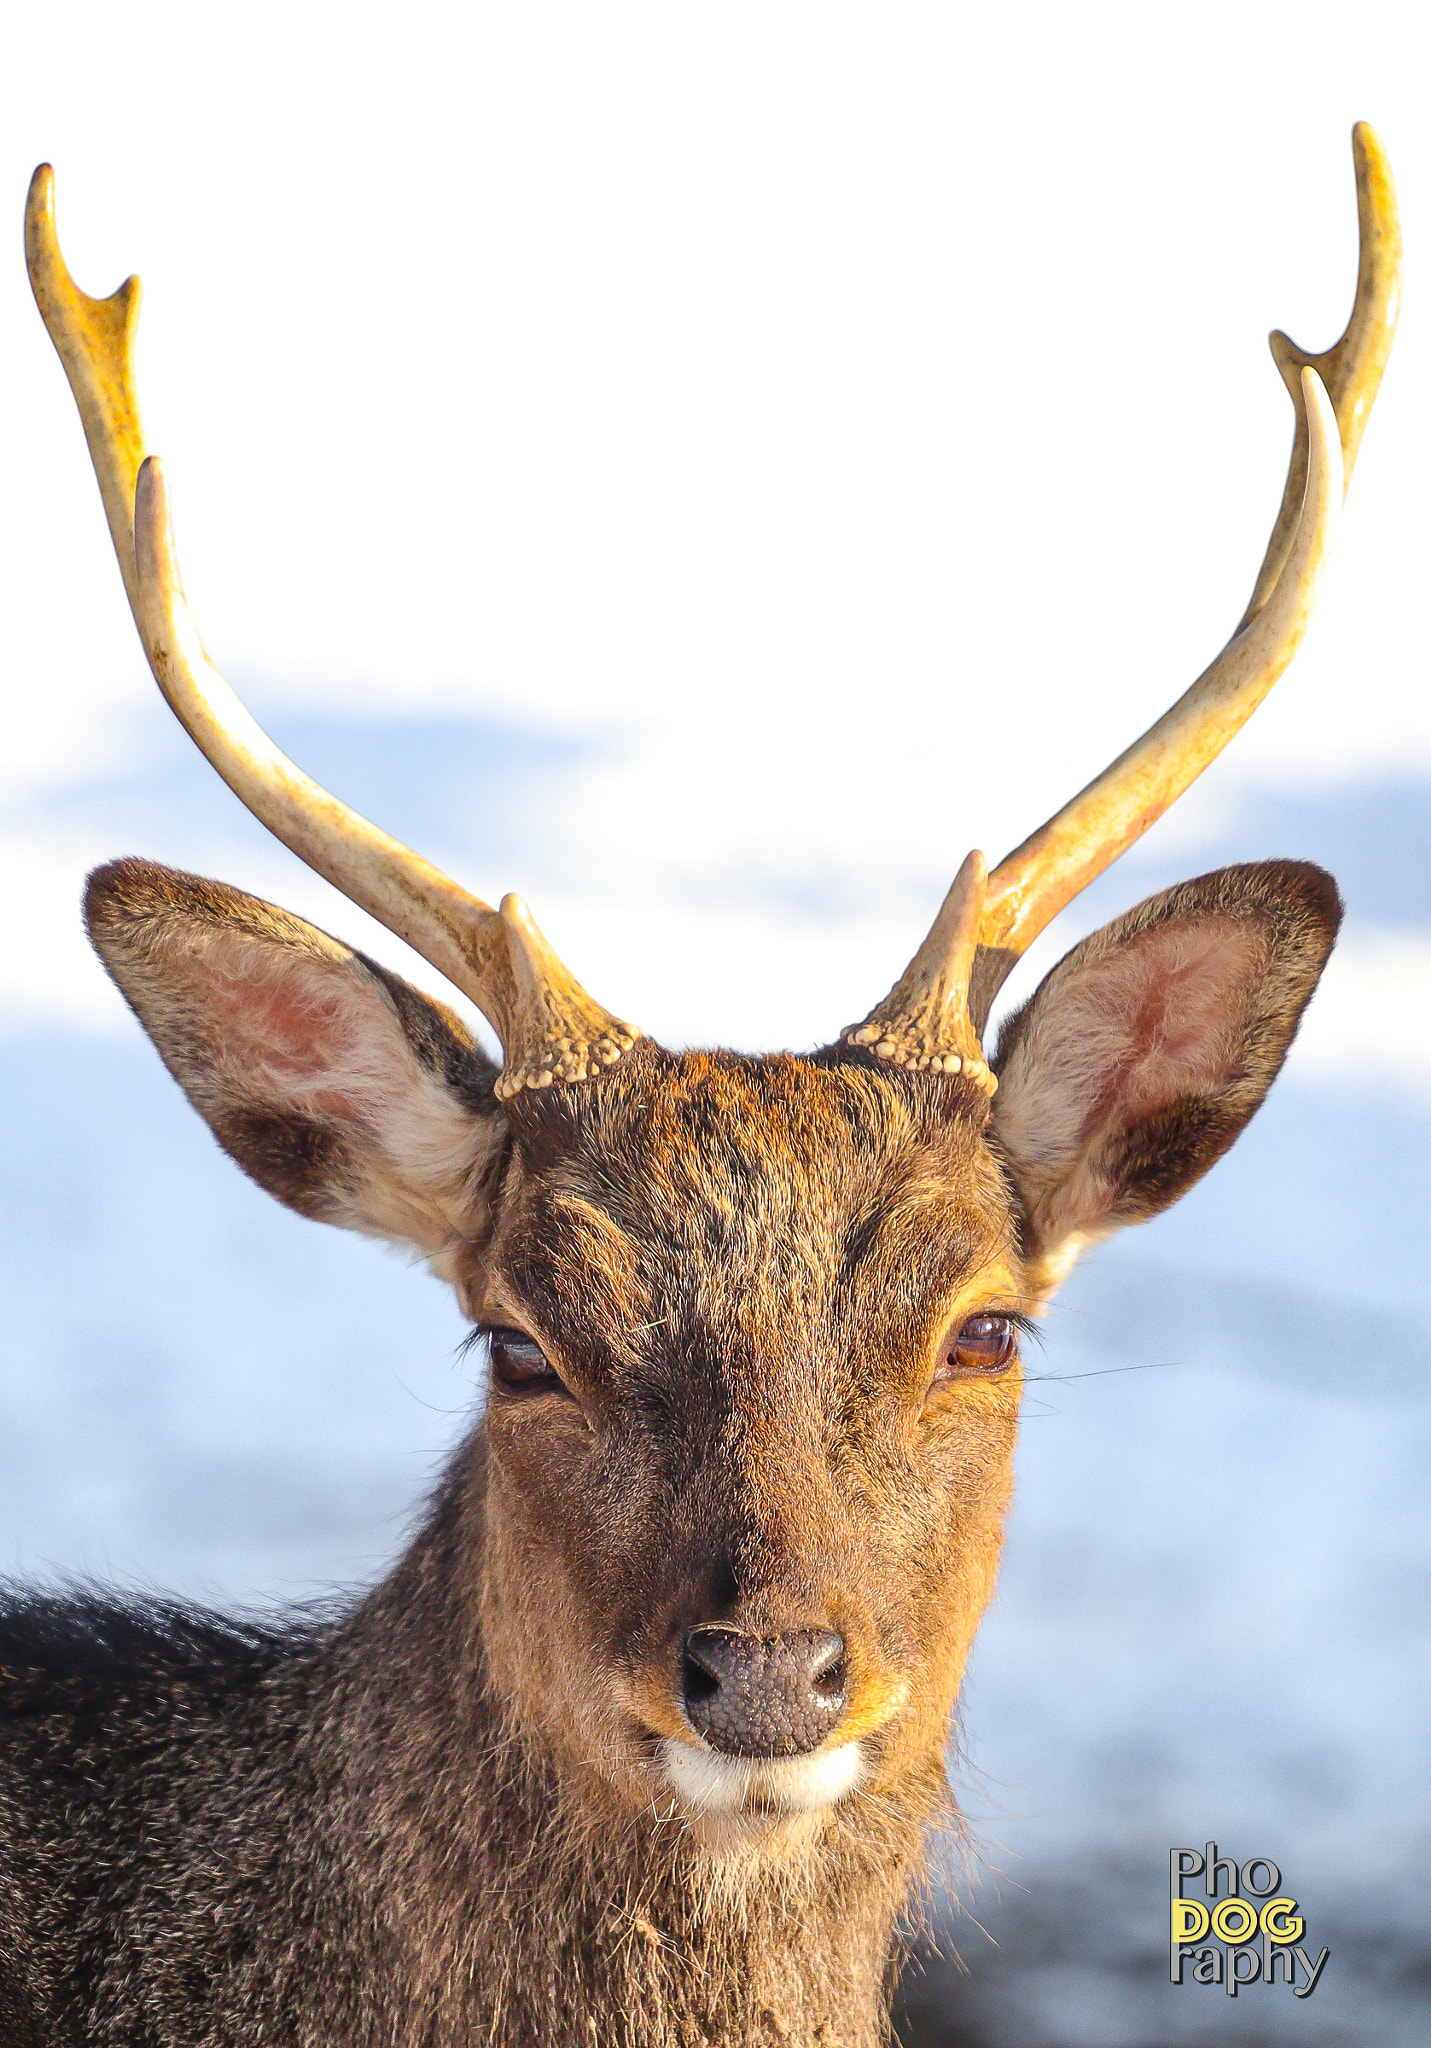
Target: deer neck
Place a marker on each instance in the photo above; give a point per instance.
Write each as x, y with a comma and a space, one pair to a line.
525, 1911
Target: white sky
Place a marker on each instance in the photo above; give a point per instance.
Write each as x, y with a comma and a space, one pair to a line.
858, 420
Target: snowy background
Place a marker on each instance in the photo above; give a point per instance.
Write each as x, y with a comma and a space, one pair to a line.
706, 469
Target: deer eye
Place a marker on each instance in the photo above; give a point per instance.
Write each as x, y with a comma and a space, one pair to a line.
980, 1344
519, 1365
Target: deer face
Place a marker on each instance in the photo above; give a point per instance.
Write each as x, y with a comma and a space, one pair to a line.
754, 1385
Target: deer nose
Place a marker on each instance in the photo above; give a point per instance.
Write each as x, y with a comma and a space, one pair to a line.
764, 1696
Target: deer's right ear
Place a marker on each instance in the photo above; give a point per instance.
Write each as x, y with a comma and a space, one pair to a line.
1143, 1054
339, 1088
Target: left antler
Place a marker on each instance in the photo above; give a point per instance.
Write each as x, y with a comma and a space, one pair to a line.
550, 1028
1333, 394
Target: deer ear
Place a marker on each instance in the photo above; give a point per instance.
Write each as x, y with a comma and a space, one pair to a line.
1142, 1055
345, 1092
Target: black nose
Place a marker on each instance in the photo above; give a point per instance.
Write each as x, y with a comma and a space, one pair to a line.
763, 1695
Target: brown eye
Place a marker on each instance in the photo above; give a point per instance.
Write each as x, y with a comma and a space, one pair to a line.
519, 1365
981, 1344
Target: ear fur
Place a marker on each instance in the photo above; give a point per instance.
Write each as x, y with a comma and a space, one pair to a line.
338, 1087
1144, 1053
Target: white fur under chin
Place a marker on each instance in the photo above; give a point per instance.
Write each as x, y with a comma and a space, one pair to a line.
713, 1783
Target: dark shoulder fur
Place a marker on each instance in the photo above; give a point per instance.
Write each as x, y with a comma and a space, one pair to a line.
85, 1655
120, 1723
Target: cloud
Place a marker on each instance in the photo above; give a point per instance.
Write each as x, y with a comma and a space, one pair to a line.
1372, 1016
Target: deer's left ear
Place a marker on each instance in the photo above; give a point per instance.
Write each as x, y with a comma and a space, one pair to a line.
1142, 1055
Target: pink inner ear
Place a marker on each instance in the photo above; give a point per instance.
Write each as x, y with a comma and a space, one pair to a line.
1171, 1004
293, 1022
287, 1023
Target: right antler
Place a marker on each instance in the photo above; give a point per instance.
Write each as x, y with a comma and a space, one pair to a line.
550, 1029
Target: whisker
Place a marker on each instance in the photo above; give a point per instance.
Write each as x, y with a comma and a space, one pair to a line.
1103, 1371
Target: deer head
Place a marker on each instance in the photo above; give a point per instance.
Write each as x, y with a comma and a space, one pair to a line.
754, 1322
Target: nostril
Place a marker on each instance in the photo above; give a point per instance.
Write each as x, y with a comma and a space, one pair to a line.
829, 1667
832, 1683
698, 1681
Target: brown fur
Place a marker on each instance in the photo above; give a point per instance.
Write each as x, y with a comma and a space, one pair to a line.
444, 1818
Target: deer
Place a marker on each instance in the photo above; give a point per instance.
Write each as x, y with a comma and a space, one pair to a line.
642, 1740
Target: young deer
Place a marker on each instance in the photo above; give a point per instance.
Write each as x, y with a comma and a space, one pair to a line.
641, 1739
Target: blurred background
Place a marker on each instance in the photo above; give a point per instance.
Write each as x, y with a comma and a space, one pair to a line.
707, 468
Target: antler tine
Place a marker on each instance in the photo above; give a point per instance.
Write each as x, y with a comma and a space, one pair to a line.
95, 341
1035, 881
1352, 367
550, 1029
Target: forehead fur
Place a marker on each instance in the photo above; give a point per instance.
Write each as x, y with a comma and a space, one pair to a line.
676, 1183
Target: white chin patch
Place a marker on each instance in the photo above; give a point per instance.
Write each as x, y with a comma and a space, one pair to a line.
714, 1783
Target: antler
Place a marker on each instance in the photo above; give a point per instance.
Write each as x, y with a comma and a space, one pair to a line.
1033, 883
1333, 394
550, 1029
